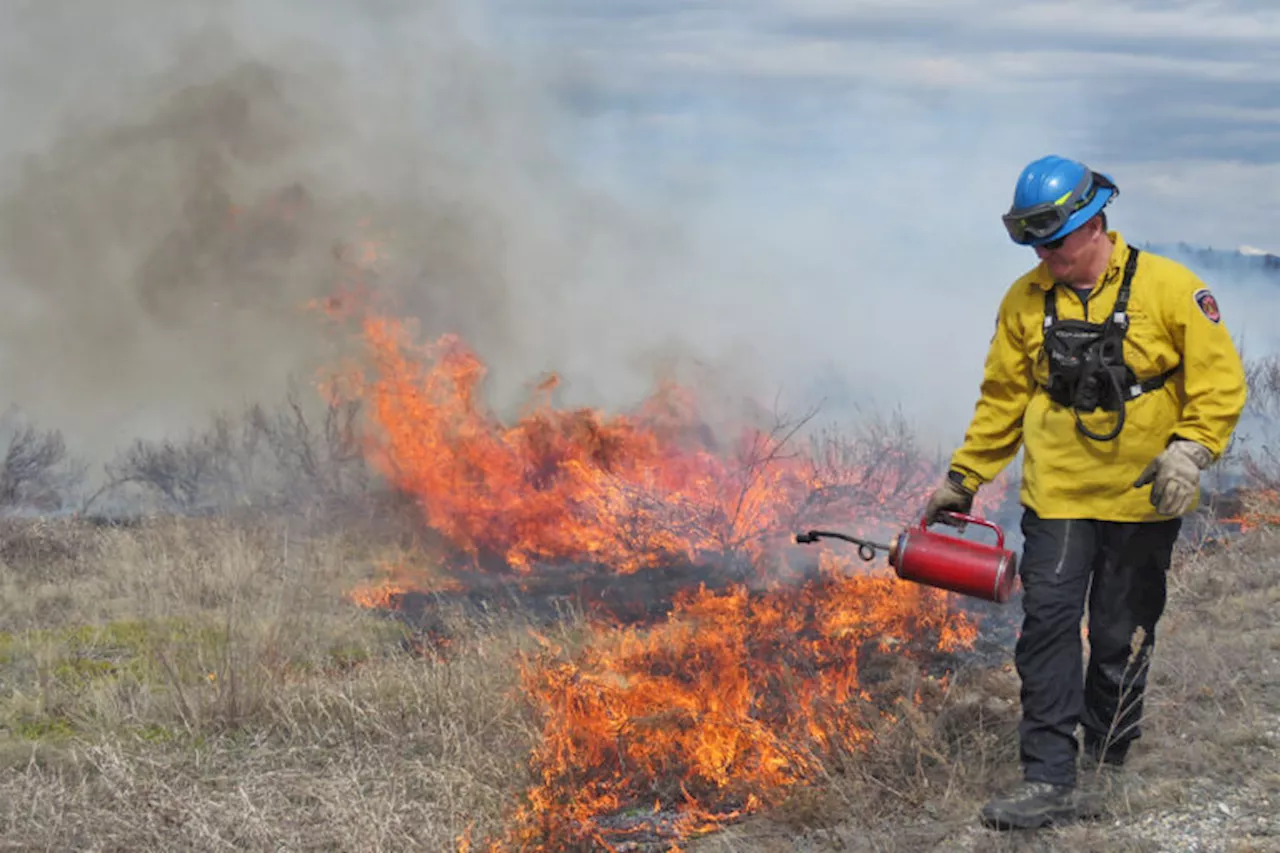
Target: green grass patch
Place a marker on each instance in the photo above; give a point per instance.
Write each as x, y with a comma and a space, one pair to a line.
53, 729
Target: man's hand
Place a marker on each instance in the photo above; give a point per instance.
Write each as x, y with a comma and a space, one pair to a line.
1175, 474
949, 497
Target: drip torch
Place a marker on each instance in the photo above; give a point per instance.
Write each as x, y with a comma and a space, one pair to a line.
939, 560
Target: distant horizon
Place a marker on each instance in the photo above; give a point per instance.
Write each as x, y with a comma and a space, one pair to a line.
1244, 250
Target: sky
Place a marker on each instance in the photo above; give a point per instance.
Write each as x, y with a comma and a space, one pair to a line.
790, 201
1179, 101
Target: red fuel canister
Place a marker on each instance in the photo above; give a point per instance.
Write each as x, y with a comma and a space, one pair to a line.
949, 562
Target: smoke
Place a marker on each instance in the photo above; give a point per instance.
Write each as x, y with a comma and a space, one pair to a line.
1247, 288
179, 178
180, 184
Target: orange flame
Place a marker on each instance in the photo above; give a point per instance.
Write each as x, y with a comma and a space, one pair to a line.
397, 578
740, 694
376, 594
630, 491
1260, 508
719, 711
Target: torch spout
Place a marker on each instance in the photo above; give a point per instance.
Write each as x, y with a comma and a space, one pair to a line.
866, 549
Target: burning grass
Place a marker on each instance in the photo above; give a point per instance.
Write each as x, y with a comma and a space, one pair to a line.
719, 698
322, 727
186, 667
719, 711
663, 665
734, 696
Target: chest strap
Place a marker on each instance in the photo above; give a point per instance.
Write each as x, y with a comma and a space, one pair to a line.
1112, 338
1118, 321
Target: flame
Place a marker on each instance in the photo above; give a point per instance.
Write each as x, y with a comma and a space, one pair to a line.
1260, 507
629, 491
395, 578
719, 711
376, 594
740, 693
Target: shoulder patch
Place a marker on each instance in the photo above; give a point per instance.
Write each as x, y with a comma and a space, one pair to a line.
1207, 304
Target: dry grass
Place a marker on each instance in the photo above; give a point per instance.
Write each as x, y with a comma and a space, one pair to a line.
203, 685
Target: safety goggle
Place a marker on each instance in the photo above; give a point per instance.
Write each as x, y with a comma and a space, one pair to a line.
1041, 220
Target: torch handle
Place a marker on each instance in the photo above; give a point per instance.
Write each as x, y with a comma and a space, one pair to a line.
972, 519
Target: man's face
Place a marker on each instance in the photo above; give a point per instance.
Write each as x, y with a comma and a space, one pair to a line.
1070, 261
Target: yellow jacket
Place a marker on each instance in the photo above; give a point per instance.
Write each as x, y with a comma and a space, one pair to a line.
1065, 474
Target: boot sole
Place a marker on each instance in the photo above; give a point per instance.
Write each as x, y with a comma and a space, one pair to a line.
1040, 820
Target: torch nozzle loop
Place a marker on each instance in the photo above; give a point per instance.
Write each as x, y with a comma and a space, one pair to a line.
866, 549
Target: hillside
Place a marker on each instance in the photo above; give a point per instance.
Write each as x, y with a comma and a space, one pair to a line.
1245, 265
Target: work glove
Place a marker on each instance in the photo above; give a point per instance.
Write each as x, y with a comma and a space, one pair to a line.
1175, 475
949, 497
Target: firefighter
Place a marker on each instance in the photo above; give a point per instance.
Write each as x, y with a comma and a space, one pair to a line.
1112, 369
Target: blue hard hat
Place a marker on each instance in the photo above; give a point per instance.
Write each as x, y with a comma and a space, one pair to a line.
1053, 197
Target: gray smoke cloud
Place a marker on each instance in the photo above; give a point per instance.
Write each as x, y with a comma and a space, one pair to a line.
181, 179
178, 178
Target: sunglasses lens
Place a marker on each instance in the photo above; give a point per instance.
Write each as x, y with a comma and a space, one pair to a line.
1053, 244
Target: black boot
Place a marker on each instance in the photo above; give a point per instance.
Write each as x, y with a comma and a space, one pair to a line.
1031, 805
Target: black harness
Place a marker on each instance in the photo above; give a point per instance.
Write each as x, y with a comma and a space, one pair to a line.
1086, 360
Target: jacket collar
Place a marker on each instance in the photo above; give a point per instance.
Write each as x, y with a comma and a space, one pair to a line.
1115, 266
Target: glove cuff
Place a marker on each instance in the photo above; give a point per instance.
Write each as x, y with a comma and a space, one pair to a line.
1196, 452
959, 480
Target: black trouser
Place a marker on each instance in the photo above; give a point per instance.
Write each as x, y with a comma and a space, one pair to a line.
1127, 564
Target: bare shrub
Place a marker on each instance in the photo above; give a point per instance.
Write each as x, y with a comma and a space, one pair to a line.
1261, 458
324, 459
37, 472
1252, 464
287, 458
875, 465
1263, 377
184, 474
